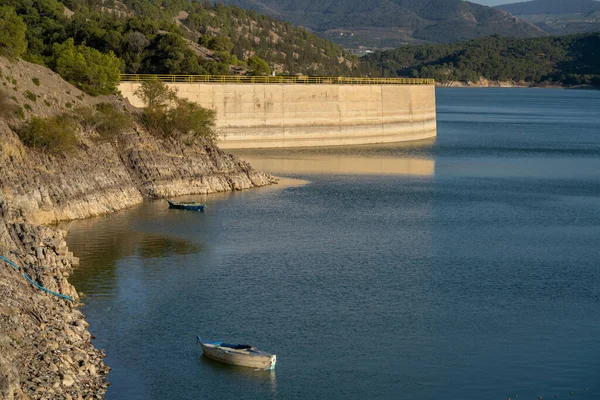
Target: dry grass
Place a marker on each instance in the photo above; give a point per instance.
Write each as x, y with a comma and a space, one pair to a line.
7, 106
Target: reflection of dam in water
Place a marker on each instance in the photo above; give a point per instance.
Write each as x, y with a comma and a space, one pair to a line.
266, 112
412, 158
342, 165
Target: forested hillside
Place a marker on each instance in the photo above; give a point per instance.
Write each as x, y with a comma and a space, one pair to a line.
566, 60
85, 40
551, 7
393, 23
559, 17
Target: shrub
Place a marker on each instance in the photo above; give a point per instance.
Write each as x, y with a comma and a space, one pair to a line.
189, 121
112, 121
155, 94
157, 97
216, 43
36, 81
7, 106
258, 66
12, 33
168, 116
27, 107
20, 113
87, 68
53, 135
106, 119
29, 95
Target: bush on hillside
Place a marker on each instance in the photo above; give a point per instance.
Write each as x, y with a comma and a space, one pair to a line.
189, 121
258, 66
52, 135
7, 106
155, 94
157, 97
87, 68
12, 33
216, 43
168, 116
112, 121
104, 118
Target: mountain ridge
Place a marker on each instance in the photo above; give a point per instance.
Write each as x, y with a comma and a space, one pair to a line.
394, 22
551, 7
559, 17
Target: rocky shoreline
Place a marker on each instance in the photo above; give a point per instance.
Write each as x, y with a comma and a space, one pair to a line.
46, 351
485, 83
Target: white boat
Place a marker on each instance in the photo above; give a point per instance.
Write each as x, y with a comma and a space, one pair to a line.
243, 355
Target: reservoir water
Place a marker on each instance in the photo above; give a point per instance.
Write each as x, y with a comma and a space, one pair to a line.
466, 267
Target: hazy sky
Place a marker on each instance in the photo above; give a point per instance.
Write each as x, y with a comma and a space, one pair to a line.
496, 2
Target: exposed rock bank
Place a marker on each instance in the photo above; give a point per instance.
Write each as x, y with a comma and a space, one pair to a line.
45, 348
483, 83
486, 83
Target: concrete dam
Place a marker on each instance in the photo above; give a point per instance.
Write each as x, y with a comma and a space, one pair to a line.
266, 112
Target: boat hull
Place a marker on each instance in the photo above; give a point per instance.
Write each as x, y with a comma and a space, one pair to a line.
188, 206
243, 358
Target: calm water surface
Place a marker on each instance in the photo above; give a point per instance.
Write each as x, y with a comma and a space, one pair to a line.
461, 268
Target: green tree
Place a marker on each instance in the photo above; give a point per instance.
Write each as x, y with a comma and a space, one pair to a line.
216, 43
169, 116
170, 54
157, 97
12, 33
87, 68
258, 66
190, 121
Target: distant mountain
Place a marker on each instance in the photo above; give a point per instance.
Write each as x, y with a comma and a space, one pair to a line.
559, 17
393, 23
551, 7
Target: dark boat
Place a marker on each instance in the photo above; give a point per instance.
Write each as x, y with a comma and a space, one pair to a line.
187, 206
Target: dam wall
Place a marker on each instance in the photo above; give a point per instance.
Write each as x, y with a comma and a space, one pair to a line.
263, 115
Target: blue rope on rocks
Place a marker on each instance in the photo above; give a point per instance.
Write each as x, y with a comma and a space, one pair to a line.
34, 283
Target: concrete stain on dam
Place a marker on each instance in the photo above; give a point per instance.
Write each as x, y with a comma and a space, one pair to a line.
296, 115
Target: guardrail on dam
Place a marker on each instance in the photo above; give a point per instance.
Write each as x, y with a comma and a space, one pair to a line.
293, 111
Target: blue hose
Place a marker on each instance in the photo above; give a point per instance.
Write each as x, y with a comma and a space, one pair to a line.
37, 285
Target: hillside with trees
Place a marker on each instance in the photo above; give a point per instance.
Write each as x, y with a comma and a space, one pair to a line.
559, 17
393, 23
89, 42
567, 60
551, 7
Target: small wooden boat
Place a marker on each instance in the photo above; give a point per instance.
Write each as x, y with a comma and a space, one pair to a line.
187, 206
243, 355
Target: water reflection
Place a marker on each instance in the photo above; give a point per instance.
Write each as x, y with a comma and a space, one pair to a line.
251, 374
158, 246
412, 158
101, 242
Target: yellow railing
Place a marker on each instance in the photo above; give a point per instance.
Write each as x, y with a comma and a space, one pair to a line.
337, 80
